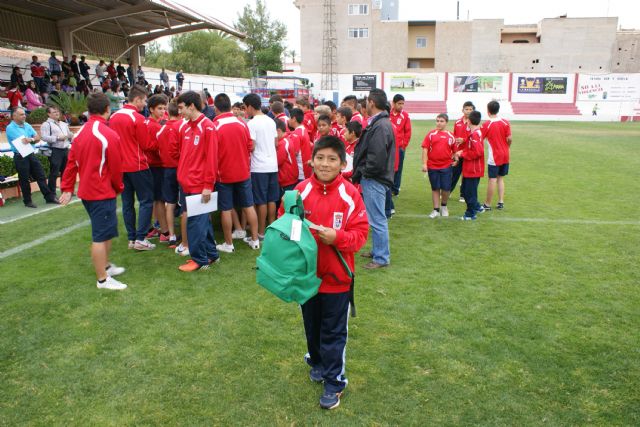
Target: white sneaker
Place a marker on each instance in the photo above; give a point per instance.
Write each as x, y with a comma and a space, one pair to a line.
143, 245
225, 247
112, 284
114, 270
461, 199
434, 214
238, 234
444, 211
253, 244
131, 244
182, 250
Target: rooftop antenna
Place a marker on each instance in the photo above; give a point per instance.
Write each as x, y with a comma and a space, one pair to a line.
329, 48
458, 11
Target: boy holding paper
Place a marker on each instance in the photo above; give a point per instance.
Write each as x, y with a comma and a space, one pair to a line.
197, 170
335, 206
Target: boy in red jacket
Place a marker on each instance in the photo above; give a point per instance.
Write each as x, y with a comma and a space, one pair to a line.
461, 132
472, 153
437, 151
168, 149
95, 155
498, 134
295, 123
197, 171
402, 123
288, 151
157, 105
332, 202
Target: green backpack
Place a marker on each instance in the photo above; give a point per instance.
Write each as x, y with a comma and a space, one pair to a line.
286, 267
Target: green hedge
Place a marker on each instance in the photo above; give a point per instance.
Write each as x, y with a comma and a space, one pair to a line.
7, 168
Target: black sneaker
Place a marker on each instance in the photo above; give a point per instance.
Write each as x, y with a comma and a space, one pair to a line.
330, 400
315, 374
500, 206
486, 208
30, 205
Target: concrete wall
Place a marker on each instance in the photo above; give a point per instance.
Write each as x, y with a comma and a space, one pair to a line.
389, 53
485, 45
511, 37
625, 57
453, 46
428, 31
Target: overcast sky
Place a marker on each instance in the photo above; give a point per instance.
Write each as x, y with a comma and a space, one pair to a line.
513, 12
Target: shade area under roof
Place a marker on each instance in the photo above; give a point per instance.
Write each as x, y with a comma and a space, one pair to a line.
107, 28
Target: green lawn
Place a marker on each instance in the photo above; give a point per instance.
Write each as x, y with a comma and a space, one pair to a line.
529, 316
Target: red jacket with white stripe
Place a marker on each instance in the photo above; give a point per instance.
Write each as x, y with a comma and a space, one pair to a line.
439, 145
473, 155
357, 117
310, 124
335, 205
95, 155
168, 143
198, 164
461, 130
402, 123
153, 156
497, 130
234, 148
134, 138
305, 151
288, 151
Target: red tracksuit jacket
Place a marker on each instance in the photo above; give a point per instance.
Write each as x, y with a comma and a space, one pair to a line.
288, 150
168, 143
473, 155
198, 164
402, 123
310, 124
234, 148
153, 156
134, 138
95, 155
336, 205
305, 150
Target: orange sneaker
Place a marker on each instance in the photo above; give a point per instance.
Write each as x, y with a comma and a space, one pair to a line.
189, 266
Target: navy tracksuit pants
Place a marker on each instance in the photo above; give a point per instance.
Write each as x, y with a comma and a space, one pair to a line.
470, 194
138, 184
457, 172
202, 245
325, 319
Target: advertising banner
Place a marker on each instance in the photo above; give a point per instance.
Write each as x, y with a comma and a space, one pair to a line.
414, 82
485, 84
542, 85
609, 87
364, 82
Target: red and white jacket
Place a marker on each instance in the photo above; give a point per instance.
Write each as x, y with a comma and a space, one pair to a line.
473, 155
305, 151
168, 143
95, 155
288, 150
310, 124
336, 205
283, 117
134, 138
497, 130
198, 147
439, 145
402, 123
234, 148
461, 130
357, 117
153, 156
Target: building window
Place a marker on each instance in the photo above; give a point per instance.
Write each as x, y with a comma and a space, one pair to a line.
413, 63
358, 9
421, 42
358, 33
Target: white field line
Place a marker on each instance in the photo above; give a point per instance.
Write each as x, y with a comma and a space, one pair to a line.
36, 212
484, 217
43, 239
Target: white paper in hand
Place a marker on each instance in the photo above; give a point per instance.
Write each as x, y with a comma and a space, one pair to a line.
23, 149
296, 230
196, 207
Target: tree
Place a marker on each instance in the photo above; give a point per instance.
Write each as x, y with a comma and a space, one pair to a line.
200, 52
265, 38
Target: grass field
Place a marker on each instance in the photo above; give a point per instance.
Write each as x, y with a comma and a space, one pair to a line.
529, 316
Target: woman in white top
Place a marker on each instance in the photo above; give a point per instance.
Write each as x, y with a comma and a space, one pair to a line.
57, 135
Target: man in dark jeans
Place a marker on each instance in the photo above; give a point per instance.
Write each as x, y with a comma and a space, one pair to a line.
27, 166
57, 135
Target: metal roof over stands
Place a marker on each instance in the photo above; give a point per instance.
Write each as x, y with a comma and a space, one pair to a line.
109, 28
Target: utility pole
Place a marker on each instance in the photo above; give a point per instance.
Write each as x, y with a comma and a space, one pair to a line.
458, 11
329, 48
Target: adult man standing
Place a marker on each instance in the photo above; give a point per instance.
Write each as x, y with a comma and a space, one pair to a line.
57, 135
55, 68
180, 80
373, 169
130, 74
164, 78
84, 70
130, 126
37, 73
74, 66
20, 132
402, 123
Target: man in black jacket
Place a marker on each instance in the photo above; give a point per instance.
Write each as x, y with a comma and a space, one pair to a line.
373, 165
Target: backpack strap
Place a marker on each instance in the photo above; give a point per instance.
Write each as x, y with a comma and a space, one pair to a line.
293, 203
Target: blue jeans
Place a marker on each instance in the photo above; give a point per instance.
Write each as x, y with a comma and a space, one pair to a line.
202, 245
138, 184
374, 194
470, 194
397, 178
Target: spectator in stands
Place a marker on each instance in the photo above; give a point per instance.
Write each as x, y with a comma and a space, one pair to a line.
111, 70
15, 96
83, 88
101, 68
37, 73
55, 68
73, 81
29, 165
121, 72
140, 75
74, 66
16, 77
164, 78
130, 74
106, 83
84, 70
51, 87
157, 90
56, 134
180, 80
31, 95
115, 100
66, 66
